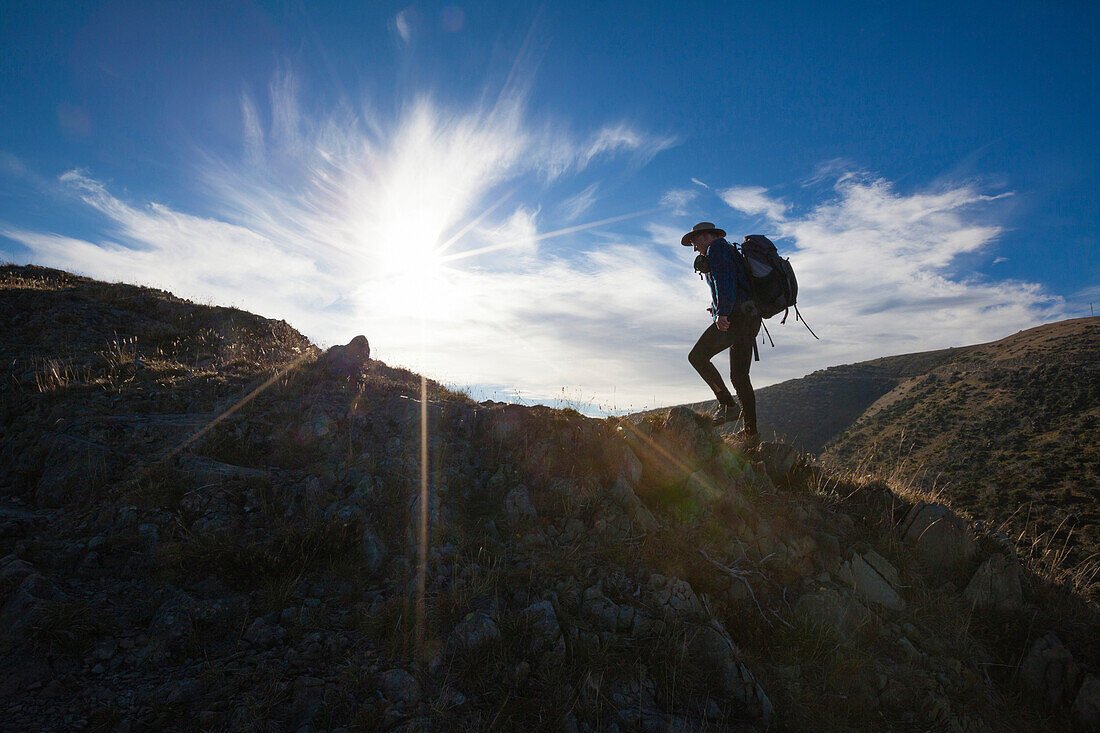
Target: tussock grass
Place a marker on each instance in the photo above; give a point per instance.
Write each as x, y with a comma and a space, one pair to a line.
68, 627
51, 375
272, 559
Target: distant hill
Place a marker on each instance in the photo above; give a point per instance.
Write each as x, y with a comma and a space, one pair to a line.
810, 411
1008, 430
813, 410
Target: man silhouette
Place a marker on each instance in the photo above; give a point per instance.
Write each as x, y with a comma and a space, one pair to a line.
736, 324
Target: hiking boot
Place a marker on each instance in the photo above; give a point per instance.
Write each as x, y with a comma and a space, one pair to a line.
726, 413
747, 440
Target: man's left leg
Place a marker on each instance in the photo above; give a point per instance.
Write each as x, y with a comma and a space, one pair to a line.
710, 343
706, 348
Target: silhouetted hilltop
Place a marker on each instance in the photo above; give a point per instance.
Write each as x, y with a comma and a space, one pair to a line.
207, 523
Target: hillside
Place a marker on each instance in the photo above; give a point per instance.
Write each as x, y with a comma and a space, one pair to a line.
207, 523
1007, 431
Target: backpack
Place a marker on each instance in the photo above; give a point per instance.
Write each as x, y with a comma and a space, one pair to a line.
771, 280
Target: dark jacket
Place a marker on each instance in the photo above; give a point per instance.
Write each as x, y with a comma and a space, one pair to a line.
728, 282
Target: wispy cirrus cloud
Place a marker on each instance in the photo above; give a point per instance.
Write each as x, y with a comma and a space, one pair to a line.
412, 231
676, 200
402, 23
754, 201
201, 256
407, 231
625, 137
576, 205
877, 270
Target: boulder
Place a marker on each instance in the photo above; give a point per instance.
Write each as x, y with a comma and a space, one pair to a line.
780, 458
996, 586
873, 578
710, 645
399, 687
635, 510
834, 608
27, 605
630, 466
518, 506
543, 635
1048, 671
601, 611
12, 572
473, 634
350, 517
348, 361
739, 682
939, 536
674, 596
682, 434
1086, 707
702, 489
259, 633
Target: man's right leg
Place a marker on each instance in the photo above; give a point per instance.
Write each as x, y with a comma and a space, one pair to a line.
740, 363
710, 343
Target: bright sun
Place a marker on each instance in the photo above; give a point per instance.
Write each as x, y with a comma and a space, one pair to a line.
404, 272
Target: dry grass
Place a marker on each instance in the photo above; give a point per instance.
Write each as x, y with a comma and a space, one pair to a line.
51, 375
1047, 556
68, 627
271, 561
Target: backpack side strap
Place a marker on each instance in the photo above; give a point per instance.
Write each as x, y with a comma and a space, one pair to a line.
798, 316
765, 331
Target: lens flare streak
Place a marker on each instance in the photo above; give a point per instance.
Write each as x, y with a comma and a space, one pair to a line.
422, 559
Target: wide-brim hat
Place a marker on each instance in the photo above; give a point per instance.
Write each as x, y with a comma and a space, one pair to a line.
703, 226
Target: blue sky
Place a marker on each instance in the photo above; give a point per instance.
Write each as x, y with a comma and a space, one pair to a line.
494, 192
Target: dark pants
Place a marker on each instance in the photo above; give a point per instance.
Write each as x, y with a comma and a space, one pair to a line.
739, 340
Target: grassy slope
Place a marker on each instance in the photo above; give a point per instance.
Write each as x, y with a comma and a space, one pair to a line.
1008, 431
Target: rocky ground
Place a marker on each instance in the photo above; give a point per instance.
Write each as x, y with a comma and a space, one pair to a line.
205, 523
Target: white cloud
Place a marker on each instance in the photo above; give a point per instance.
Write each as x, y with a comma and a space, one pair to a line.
623, 137
403, 23
253, 132
342, 226
754, 201
665, 235
1085, 301
407, 232
196, 256
876, 273
579, 203
10, 165
677, 200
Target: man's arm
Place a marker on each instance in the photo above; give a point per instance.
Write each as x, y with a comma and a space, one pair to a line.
724, 271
